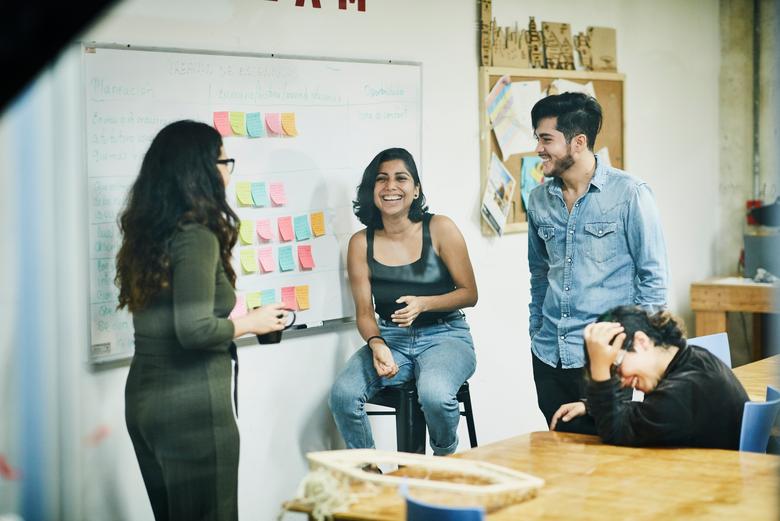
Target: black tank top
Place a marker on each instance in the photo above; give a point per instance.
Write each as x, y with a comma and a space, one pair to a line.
426, 276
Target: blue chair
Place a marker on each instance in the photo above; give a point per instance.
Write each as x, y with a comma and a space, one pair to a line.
757, 421
717, 344
420, 511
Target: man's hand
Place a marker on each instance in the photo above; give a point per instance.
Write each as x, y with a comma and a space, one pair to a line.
603, 340
567, 412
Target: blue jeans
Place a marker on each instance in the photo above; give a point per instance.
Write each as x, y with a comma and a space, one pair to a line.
439, 357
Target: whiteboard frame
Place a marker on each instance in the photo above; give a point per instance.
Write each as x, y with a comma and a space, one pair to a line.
247, 340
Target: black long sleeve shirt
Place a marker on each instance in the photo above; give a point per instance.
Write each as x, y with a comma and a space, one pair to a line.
697, 403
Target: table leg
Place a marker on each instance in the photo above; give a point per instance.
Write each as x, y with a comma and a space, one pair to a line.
758, 339
710, 322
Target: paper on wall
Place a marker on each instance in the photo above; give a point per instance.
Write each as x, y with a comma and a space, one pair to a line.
509, 109
498, 195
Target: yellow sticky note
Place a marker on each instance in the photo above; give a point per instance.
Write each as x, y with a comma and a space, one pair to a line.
248, 260
246, 231
288, 123
302, 296
238, 123
244, 193
318, 224
253, 300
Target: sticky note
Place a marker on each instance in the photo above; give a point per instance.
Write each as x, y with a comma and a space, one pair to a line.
304, 256
266, 258
318, 224
222, 123
248, 260
273, 122
286, 262
244, 193
255, 124
268, 296
277, 194
302, 227
302, 296
253, 300
288, 298
239, 310
245, 231
285, 228
259, 194
238, 123
288, 123
264, 229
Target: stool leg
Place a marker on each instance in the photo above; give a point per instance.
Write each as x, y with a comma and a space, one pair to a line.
469, 420
410, 425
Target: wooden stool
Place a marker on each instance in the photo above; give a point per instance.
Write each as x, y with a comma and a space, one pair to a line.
409, 419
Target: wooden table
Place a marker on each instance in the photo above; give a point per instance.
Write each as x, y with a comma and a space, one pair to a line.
587, 480
757, 375
711, 299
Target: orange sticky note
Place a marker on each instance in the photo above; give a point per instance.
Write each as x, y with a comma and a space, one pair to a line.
277, 194
318, 224
264, 229
273, 123
304, 256
288, 298
266, 258
302, 296
285, 228
240, 308
288, 123
222, 123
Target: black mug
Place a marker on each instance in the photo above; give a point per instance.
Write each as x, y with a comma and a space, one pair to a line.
274, 337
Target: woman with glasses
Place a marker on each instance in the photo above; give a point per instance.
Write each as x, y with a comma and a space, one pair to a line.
411, 268
692, 398
175, 277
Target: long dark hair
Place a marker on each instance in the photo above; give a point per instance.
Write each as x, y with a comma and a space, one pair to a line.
363, 205
179, 183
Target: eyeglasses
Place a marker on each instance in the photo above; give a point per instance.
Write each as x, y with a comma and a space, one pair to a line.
229, 163
615, 369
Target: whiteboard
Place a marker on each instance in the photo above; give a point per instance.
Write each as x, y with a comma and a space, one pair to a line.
345, 112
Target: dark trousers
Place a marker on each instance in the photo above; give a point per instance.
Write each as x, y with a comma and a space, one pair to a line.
556, 386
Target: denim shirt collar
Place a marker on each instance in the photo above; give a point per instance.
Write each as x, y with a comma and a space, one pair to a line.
597, 181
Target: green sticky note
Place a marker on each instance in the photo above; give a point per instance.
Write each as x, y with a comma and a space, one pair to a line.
286, 262
253, 300
302, 231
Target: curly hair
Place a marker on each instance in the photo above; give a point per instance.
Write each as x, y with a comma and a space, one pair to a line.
363, 206
663, 328
179, 183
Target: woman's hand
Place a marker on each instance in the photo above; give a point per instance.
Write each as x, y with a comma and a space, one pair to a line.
267, 318
383, 360
406, 315
603, 340
567, 412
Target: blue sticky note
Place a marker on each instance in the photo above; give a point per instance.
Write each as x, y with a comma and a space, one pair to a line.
267, 296
302, 231
260, 195
255, 124
286, 262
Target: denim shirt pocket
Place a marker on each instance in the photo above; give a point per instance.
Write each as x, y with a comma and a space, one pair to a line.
601, 240
547, 234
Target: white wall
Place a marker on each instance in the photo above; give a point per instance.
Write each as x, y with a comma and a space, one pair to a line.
667, 49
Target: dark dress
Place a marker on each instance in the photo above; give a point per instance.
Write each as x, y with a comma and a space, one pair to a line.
697, 403
178, 405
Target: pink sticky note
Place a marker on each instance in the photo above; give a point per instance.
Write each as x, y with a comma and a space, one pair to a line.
304, 256
277, 194
285, 228
240, 309
273, 122
288, 298
222, 123
264, 229
266, 257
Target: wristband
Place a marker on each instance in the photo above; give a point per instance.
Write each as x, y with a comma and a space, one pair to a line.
369, 339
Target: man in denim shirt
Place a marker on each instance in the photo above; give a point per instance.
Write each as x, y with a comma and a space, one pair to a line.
594, 242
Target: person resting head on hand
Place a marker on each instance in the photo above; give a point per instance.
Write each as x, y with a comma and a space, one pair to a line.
691, 397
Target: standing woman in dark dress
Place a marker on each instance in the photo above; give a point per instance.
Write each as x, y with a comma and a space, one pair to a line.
175, 277
411, 268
